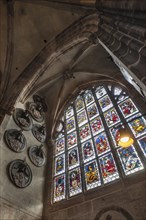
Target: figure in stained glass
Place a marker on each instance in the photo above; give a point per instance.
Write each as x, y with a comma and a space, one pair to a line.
70, 124
60, 145
111, 117
105, 103
100, 91
69, 112
127, 108
130, 160
59, 164
75, 182
73, 157
142, 143
91, 175
84, 132
108, 168
96, 125
88, 150
138, 125
92, 111
79, 103
115, 132
88, 97
81, 117
71, 139
101, 143
59, 188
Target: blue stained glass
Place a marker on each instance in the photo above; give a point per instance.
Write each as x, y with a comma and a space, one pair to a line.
70, 124
111, 117
130, 161
108, 168
81, 117
84, 132
92, 175
100, 91
88, 150
71, 139
138, 125
59, 146
88, 97
101, 143
128, 108
75, 185
115, 133
142, 143
60, 164
96, 126
73, 158
69, 112
79, 103
92, 111
59, 188
105, 103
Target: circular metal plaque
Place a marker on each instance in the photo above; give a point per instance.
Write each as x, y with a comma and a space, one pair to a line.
15, 140
40, 102
22, 119
36, 113
37, 155
20, 173
39, 132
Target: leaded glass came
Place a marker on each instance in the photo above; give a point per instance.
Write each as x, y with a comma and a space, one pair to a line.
86, 151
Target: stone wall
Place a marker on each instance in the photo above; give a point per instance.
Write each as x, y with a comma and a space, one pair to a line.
20, 203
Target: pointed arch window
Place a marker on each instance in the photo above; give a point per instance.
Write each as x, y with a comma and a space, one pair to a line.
86, 154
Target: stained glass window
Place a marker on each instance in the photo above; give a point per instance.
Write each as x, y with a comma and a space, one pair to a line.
86, 151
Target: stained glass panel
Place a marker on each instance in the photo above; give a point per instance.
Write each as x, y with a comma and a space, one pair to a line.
115, 133
96, 126
79, 103
70, 124
71, 139
105, 103
92, 111
108, 168
111, 117
119, 94
128, 108
81, 117
88, 97
69, 112
88, 151
73, 158
101, 143
130, 161
75, 185
92, 176
84, 132
59, 164
59, 146
100, 91
59, 188
142, 143
137, 124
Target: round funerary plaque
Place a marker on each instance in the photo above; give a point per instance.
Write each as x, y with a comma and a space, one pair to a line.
20, 173
35, 111
22, 119
37, 155
15, 140
39, 132
40, 103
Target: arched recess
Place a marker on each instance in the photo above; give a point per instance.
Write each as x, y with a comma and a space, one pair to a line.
80, 32
110, 209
